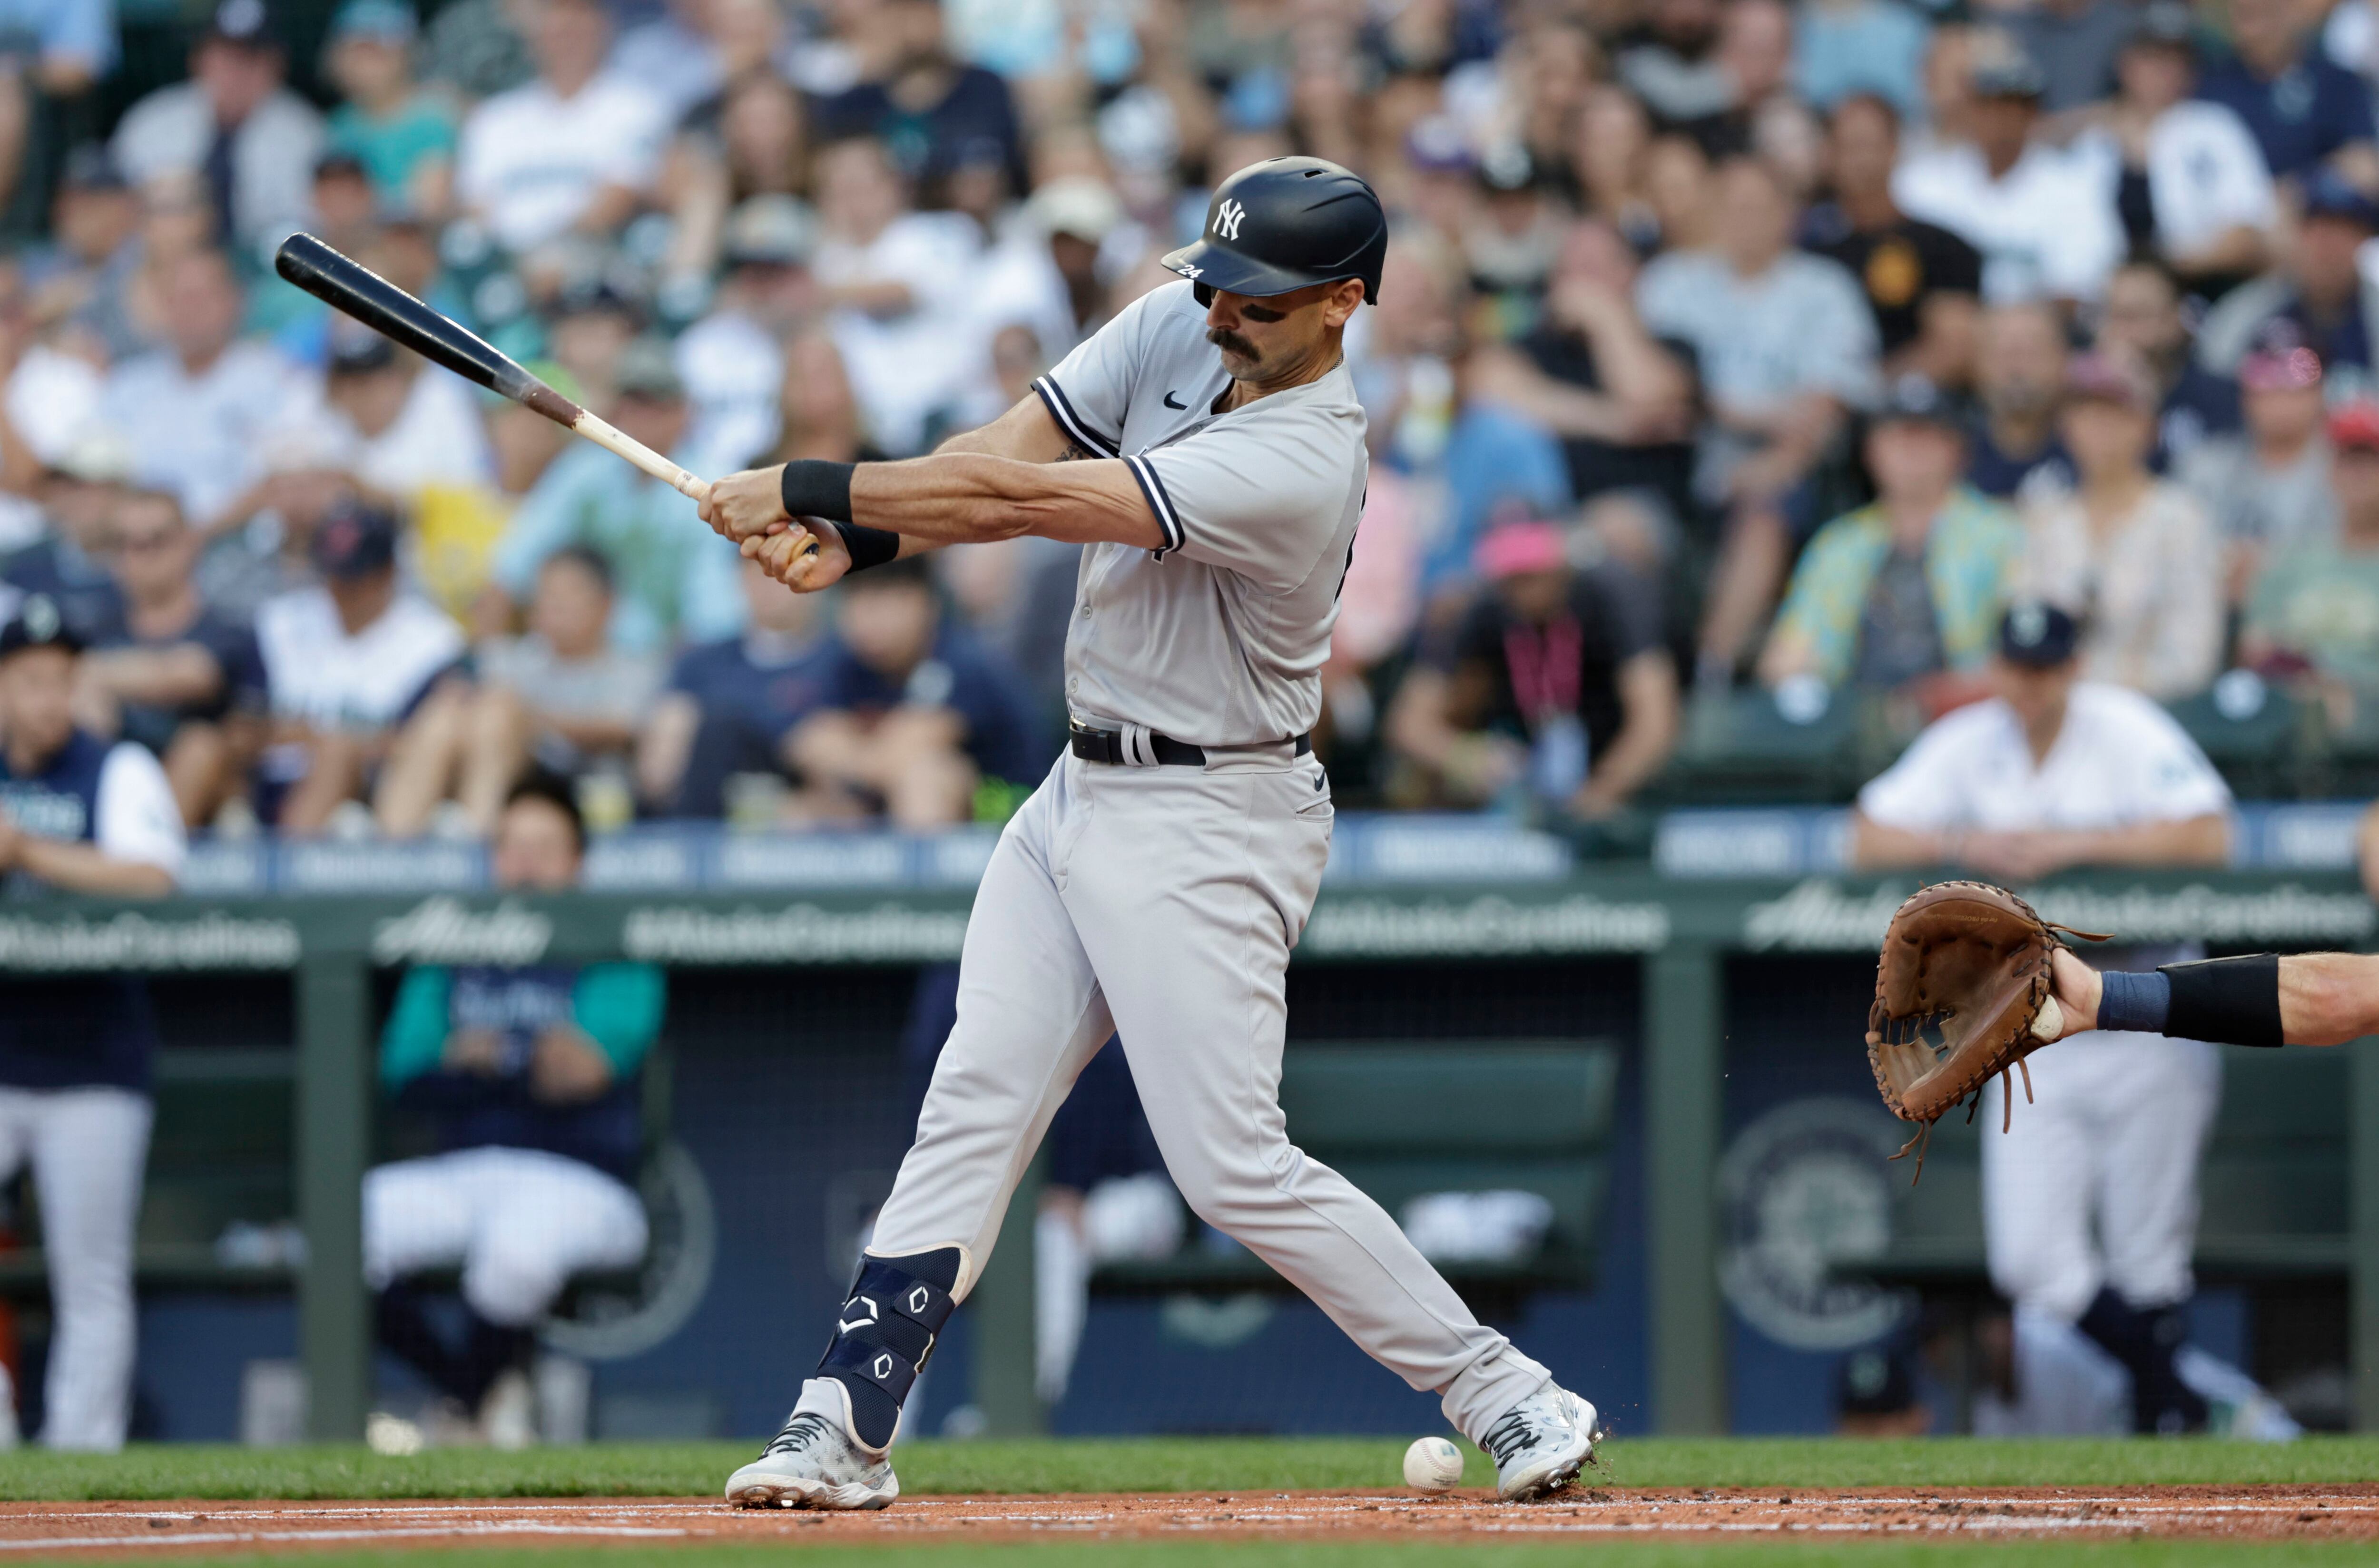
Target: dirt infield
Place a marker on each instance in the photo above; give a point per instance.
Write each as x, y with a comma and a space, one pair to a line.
2248, 1513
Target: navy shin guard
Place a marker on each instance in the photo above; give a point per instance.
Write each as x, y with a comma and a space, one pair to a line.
885, 1334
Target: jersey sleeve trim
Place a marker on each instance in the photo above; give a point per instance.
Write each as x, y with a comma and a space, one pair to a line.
1069, 421
1168, 520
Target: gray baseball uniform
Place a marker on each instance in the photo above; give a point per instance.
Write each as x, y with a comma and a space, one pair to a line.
1163, 902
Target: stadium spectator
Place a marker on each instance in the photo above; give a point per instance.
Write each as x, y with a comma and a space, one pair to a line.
476, 49
589, 323
69, 563
2269, 486
264, 538
78, 816
2019, 378
412, 425
732, 361
2187, 179
2318, 289
1554, 691
2306, 111
1908, 588
2041, 216
560, 696
2141, 323
678, 52
403, 136
1784, 346
237, 126
2075, 43
1851, 48
675, 578
1611, 163
897, 283
1466, 425
1621, 401
345, 208
731, 704
933, 112
196, 412
572, 153
78, 276
2316, 604
2132, 557
915, 716
757, 144
344, 664
1671, 65
1922, 281
57, 50
456, 527
179, 678
530, 1077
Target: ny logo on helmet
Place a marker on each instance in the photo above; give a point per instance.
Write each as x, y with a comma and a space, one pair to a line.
1227, 219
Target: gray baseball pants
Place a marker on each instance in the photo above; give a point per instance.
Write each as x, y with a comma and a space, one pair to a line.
1162, 902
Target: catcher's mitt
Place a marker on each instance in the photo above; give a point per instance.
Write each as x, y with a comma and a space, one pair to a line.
1962, 995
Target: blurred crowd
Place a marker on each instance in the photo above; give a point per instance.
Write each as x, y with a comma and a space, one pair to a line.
1726, 347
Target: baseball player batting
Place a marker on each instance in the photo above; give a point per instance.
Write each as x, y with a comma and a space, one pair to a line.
1207, 449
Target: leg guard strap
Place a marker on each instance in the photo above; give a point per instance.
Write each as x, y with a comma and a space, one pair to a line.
885, 1335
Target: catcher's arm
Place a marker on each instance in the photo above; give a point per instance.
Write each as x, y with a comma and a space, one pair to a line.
2319, 998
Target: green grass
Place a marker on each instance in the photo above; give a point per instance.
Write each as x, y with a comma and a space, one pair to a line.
1372, 1554
1166, 1464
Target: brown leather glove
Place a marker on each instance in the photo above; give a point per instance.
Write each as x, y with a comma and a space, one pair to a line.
1962, 995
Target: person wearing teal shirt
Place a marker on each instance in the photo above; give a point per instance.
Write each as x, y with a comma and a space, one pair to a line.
528, 1075
404, 138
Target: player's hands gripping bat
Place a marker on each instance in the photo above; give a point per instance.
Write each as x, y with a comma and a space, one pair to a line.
1963, 991
348, 286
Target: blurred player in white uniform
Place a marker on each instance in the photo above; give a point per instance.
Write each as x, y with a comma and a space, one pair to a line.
81, 816
2090, 1198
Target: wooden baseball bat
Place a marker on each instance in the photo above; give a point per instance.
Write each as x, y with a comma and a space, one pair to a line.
348, 286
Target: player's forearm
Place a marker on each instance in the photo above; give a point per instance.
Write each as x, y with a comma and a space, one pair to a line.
80, 868
2302, 999
970, 498
2328, 998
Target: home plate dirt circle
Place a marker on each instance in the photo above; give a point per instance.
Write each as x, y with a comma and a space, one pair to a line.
146, 1529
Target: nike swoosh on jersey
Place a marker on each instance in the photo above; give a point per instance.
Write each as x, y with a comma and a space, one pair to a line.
1170, 403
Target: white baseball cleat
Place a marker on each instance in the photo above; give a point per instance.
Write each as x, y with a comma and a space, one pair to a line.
814, 1462
1539, 1444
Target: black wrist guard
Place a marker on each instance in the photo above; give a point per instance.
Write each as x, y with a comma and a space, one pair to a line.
2229, 1001
813, 487
868, 547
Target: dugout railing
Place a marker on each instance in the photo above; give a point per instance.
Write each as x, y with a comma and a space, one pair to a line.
1683, 933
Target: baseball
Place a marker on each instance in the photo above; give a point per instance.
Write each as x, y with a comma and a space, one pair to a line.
2049, 1022
1432, 1463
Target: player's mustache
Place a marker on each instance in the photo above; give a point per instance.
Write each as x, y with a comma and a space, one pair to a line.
1226, 339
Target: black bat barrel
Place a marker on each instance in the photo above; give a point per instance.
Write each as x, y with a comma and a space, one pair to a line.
348, 286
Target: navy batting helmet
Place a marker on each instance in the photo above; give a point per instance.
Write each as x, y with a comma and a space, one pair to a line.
1286, 223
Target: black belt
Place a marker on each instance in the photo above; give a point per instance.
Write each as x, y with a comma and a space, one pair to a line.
1107, 746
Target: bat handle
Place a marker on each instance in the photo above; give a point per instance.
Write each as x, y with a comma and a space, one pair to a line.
612, 438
